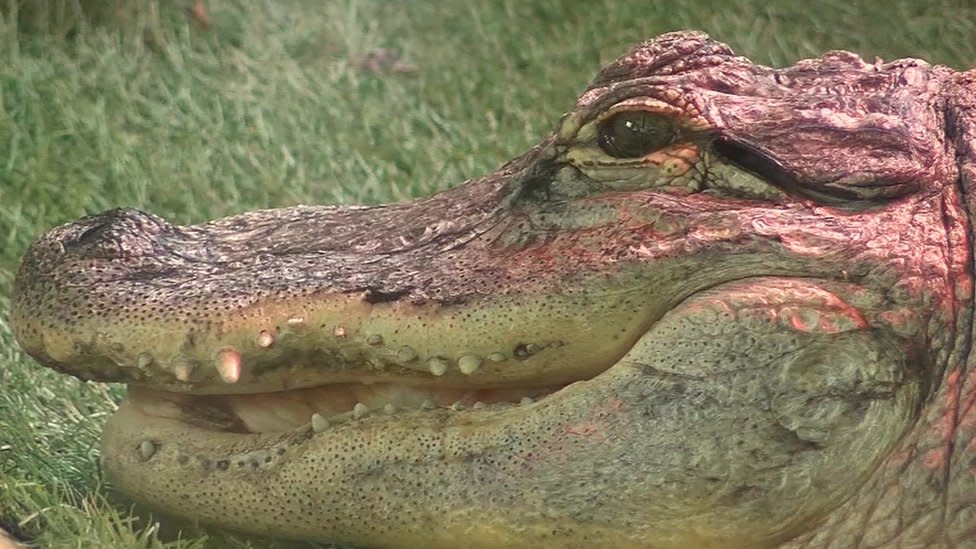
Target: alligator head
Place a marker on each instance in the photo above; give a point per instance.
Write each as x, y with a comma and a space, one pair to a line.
721, 305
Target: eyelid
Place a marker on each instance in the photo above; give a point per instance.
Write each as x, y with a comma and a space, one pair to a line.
646, 104
754, 160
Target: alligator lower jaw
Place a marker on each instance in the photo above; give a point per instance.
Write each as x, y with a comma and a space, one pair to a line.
322, 406
244, 461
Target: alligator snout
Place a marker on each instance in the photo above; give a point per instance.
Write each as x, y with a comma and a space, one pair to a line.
452, 290
56, 316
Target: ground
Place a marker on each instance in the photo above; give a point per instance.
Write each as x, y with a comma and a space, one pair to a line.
195, 115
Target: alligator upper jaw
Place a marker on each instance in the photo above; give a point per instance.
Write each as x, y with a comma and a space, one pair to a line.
454, 293
126, 296
310, 310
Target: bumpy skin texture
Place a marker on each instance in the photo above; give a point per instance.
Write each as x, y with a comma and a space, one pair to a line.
767, 317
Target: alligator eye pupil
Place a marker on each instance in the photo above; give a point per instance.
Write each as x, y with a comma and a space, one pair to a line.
633, 134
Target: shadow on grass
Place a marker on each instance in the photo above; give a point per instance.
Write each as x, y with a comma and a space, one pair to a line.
10, 534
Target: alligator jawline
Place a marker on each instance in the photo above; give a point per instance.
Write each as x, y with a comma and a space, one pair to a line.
323, 405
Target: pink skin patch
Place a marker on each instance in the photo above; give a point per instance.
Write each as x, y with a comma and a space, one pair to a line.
936, 460
590, 429
675, 160
593, 428
843, 318
901, 321
950, 415
955, 418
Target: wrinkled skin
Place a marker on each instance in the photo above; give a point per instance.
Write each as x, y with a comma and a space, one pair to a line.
722, 305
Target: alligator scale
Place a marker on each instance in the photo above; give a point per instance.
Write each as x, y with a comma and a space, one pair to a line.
720, 306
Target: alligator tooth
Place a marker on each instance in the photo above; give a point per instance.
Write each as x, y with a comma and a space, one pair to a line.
319, 423
437, 366
182, 371
428, 405
496, 357
389, 409
144, 360
468, 364
526, 400
147, 449
182, 368
339, 332
457, 406
406, 354
374, 339
229, 365
478, 405
360, 410
295, 321
265, 339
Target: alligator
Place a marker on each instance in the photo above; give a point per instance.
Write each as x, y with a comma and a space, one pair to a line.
721, 305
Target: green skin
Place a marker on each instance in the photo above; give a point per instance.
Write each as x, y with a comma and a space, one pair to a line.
721, 305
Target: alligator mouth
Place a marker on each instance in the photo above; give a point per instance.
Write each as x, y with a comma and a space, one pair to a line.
213, 330
321, 407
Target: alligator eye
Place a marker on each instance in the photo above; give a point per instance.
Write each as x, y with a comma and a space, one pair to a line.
633, 134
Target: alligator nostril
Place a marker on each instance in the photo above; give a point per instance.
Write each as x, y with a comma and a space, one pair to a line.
91, 235
114, 234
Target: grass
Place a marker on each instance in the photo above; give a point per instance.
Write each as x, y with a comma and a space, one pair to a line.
138, 105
